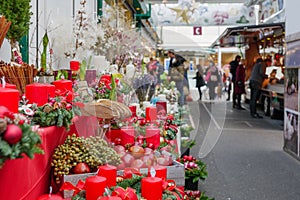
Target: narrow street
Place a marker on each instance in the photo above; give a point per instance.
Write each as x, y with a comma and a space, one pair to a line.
244, 155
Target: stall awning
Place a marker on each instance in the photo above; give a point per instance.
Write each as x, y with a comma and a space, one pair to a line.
239, 36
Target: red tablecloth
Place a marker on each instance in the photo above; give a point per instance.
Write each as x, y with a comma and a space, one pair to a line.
27, 179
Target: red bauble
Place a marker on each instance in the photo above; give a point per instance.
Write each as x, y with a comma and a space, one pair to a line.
81, 168
13, 134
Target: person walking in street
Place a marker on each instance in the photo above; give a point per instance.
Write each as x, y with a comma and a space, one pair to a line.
176, 73
233, 65
256, 80
199, 80
213, 79
240, 83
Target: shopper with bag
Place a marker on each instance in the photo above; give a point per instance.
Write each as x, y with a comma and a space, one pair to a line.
240, 84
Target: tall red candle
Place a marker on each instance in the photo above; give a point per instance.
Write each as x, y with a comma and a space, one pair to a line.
160, 172
10, 99
161, 108
63, 85
37, 93
50, 197
94, 186
151, 114
110, 173
152, 188
11, 86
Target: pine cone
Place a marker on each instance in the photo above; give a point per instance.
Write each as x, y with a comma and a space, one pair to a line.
3, 125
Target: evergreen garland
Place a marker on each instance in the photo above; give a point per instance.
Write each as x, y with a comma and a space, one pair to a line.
18, 12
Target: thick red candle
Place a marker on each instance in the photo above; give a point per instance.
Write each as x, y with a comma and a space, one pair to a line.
50, 197
10, 99
51, 90
151, 114
152, 188
63, 85
110, 173
94, 186
160, 172
161, 108
11, 86
37, 93
133, 110
110, 198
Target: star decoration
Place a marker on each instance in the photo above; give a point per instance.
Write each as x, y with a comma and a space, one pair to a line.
181, 13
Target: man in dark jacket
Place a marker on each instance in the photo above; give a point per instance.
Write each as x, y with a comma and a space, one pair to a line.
176, 73
256, 79
233, 65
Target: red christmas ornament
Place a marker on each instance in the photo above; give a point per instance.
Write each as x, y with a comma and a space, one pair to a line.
13, 134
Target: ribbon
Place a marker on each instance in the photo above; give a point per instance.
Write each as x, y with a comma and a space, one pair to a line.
69, 186
128, 194
129, 171
170, 186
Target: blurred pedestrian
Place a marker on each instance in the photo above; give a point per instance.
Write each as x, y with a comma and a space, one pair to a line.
233, 65
199, 80
213, 79
176, 73
256, 79
240, 83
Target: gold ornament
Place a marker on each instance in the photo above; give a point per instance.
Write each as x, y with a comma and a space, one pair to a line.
181, 13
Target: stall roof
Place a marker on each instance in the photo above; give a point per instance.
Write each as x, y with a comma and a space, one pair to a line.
232, 35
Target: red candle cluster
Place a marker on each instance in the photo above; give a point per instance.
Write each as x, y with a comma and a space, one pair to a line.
94, 186
110, 173
10, 99
39, 93
152, 188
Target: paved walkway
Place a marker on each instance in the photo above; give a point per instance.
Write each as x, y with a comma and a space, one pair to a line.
244, 155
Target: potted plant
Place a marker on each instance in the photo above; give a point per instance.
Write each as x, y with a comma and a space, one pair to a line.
195, 170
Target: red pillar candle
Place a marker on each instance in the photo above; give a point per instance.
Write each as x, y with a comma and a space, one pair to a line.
110, 198
133, 110
50, 197
160, 172
63, 85
152, 188
151, 114
94, 186
51, 90
161, 108
10, 99
110, 173
37, 93
7, 85
74, 65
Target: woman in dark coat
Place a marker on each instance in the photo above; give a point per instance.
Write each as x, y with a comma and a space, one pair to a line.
240, 83
199, 80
